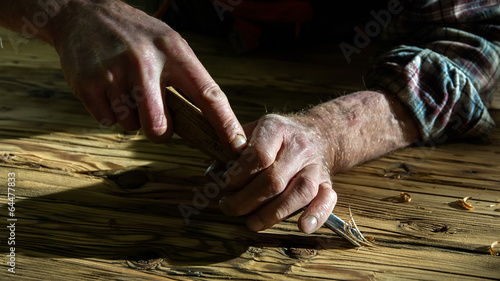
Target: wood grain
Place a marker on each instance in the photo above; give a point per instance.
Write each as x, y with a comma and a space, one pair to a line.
102, 203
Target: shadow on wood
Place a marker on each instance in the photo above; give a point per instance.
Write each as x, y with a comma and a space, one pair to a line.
137, 216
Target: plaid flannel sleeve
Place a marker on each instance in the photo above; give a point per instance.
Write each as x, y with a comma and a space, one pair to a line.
443, 65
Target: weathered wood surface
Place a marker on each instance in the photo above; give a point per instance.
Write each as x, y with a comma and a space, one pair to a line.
97, 203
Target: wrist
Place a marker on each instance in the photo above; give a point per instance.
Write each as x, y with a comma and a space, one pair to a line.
322, 121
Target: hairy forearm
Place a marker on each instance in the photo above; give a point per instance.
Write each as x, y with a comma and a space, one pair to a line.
362, 126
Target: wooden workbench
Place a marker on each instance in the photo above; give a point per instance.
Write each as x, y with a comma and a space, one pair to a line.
103, 204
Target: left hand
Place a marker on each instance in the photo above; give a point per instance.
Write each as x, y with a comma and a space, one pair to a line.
284, 167
118, 61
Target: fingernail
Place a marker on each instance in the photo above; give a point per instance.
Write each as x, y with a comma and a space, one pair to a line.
159, 123
254, 223
238, 143
309, 224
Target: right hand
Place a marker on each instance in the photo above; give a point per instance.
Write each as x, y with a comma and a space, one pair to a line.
118, 61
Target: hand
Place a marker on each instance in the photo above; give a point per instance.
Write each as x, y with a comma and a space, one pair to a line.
118, 61
288, 160
284, 167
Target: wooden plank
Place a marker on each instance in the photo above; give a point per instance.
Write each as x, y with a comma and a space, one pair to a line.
97, 203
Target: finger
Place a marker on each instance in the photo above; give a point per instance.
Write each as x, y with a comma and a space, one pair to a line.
170, 124
266, 186
319, 210
118, 92
98, 105
217, 170
124, 109
259, 155
301, 190
216, 108
196, 83
153, 118
249, 128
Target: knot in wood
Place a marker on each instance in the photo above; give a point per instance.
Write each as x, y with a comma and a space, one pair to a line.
144, 260
132, 179
299, 253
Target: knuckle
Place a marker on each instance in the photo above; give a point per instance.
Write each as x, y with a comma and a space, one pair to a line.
274, 120
180, 45
212, 94
282, 212
263, 158
172, 40
332, 195
324, 208
276, 184
274, 117
176, 47
306, 188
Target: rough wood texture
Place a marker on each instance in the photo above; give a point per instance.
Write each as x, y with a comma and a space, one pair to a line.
99, 203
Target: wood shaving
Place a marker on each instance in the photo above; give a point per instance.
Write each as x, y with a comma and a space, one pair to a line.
463, 202
406, 197
492, 248
363, 241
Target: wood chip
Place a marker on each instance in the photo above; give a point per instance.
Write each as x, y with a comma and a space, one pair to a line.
363, 241
463, 202
492, 248
406, 197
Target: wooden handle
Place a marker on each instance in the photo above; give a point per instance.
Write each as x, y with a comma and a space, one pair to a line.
193, 127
